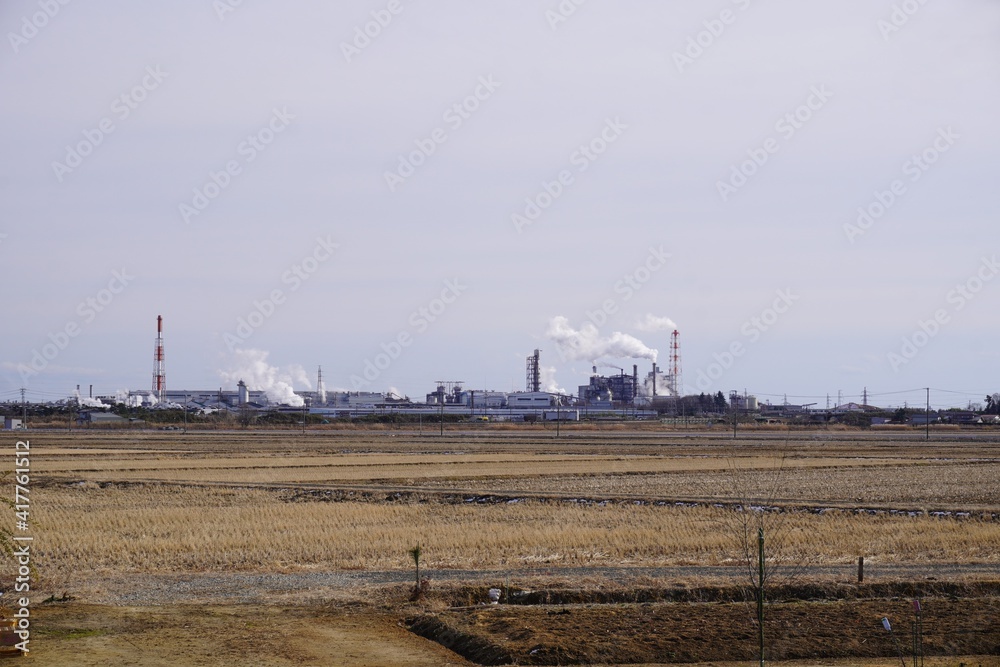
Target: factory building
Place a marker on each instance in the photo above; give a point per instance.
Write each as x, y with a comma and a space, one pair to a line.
621, 388
742, 402
448, 392
531, 400
488, 399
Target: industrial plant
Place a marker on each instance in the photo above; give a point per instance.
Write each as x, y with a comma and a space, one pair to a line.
612, 395
616, 393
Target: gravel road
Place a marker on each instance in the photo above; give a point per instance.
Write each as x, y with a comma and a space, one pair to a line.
250, 588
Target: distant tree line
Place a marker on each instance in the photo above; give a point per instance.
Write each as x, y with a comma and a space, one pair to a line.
704, 403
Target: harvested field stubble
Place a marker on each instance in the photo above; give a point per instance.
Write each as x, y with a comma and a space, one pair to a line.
171, 528
946, 484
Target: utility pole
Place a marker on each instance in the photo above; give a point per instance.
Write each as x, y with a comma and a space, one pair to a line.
24, 410
927, 416
736, 418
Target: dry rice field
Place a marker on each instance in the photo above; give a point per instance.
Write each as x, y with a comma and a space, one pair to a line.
146, 503
165, 502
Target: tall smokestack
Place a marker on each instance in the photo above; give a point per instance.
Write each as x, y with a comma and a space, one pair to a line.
320, 387
533, 374
654, 378
635, 381
159, 374
675, 364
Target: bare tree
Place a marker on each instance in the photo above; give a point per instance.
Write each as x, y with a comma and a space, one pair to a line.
761, 535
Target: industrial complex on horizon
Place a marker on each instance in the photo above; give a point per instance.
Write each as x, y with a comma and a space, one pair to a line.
624, 394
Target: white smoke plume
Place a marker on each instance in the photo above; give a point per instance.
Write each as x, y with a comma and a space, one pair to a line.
250, 365
128, 398
587, 344
87, 402
547, 380
299, 375
662, 385
654, 323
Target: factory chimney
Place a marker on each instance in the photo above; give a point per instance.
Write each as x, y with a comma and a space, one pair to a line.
159, 374
320, 387
533, 375
675, 364
243, 393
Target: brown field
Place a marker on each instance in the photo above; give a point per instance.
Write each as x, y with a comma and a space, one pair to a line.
144, 520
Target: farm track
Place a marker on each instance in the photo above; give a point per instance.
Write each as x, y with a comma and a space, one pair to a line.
268, 588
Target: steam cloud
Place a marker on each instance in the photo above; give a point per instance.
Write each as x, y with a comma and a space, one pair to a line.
250, 365
587, 344
662, 386
130, 399
547, 380
654, 323
87, 402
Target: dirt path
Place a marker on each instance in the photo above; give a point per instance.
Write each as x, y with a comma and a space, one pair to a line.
299, 587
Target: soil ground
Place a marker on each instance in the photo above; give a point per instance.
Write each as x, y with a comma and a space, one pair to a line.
691, 632
82, 635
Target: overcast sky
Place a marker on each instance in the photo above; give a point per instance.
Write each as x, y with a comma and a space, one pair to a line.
807, 190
